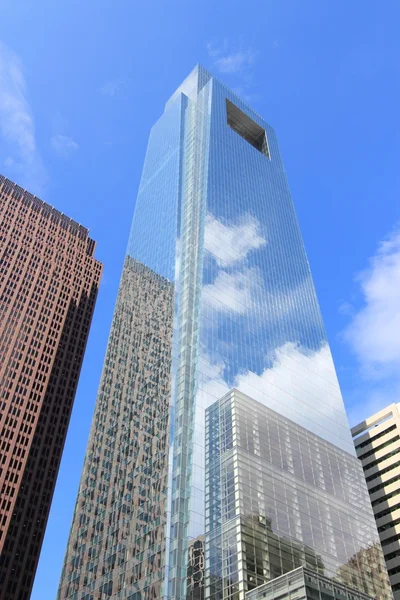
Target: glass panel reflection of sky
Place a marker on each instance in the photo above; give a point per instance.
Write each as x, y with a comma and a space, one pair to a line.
215, 215
215, 226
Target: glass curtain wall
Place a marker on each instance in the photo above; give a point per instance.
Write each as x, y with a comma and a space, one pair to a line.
280, 497
230, 304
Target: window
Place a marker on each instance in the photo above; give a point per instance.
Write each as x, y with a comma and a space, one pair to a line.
248, 129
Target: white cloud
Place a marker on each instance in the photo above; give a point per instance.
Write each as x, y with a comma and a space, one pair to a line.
16, 116
231, 292
229, 60
63, 145
299, 384
302, 386
235, 62
374, 331
178, 252
213, 52
17, 127
229, 244
211, 384
243, 292
112, 88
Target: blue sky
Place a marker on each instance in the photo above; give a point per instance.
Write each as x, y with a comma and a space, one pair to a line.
81, 83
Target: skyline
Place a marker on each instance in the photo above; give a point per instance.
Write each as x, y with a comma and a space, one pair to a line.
363, 187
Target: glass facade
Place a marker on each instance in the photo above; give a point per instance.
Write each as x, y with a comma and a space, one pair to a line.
303, 584
117, 541
215, 223
280, 497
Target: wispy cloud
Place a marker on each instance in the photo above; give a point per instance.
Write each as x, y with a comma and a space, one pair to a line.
298, 383
301, 385
17, 126
10, 163
228, 59
112, 87
17, 120
236, 61
347, 309
373, 331
64, 145
229, 244
232, 292
237, 285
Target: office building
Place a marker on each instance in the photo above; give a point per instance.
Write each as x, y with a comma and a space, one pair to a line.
48, 287
303, 584
216, 293
377, 442
280, 497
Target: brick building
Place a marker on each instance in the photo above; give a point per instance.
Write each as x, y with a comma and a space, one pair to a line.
48, 286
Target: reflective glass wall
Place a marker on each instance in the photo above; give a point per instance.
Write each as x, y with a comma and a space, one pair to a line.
280, 497
215, 224
304, 584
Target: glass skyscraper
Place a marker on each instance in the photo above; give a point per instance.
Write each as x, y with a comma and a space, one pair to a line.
216, 294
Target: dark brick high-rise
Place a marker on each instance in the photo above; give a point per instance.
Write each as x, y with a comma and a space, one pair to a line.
48, 286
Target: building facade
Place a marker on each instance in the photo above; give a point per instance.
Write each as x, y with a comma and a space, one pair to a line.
377, 442
304, 584
280, 497
230, 303
117, 538
48, 286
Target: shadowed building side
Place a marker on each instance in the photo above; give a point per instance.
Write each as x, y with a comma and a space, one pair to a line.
117, 539
48, 287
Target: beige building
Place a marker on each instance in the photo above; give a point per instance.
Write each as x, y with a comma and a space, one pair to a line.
377, 442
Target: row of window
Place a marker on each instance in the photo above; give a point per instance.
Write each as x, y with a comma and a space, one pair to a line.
381, 459
375, 450
375, 437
